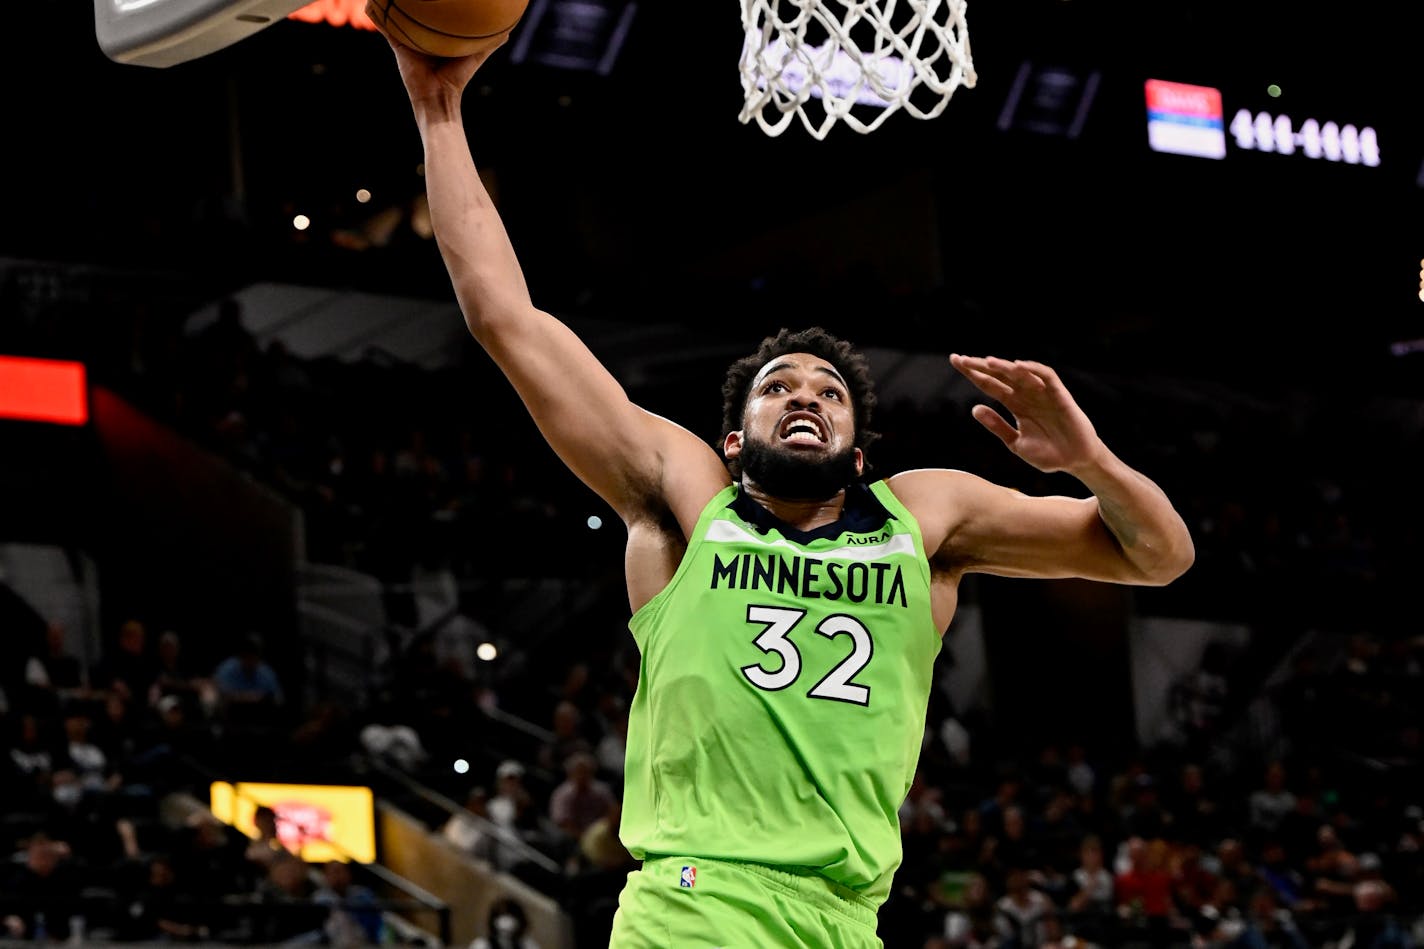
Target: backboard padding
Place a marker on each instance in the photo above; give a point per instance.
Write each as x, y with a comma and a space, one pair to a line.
162, 33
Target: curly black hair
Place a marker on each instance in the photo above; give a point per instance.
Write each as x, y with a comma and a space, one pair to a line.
851, 364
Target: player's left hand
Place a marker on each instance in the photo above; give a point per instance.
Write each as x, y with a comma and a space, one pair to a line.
1049, 430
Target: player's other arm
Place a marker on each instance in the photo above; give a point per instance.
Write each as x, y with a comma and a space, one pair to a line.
619, 450
1126, 531
1127, 534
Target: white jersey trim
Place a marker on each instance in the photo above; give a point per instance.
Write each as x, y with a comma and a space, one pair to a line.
725, 532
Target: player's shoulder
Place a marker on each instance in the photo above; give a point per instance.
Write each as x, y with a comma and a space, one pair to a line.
921, 483
940, 498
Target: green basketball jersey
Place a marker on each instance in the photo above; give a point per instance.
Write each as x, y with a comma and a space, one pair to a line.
782, 694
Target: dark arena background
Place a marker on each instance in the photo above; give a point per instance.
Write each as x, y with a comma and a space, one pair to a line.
245, 438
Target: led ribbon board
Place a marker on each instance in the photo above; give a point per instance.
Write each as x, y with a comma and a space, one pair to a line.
43, 390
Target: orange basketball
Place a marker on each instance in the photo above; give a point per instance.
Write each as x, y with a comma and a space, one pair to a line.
446, 27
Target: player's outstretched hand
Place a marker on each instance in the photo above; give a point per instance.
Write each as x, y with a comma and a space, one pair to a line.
427, 76
1049, 430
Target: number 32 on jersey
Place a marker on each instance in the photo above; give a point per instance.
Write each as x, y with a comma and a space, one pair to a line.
837, 684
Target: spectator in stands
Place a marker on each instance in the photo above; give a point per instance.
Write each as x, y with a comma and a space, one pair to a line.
600, 850
55, 676
163, 908
1143, 891
595, 874
923, 805
29, 766
173, 737
1143, 815
942, 877
175, 677
266, 847
1092, 894
1195, 813
1056, 833
1054, 934
1362, 885
1268, 925
118, 727
1373, 925
568, 737
82, 768
521, 823
465, 830
210, 858
128, 667
1233, 864
354, 917
91, 796
1332, 870
978, 843
507, 927
1122, 785
41, 891
248, 688
1288, 885
1082, 775
936, 869
1193, 882
580, 799
1012, 850
974, 924
1007, 793
1020, 911
287, 911
1272, 801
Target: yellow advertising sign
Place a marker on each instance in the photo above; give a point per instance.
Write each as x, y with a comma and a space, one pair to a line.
318, 822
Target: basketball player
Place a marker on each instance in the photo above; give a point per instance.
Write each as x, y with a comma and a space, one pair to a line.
788, 613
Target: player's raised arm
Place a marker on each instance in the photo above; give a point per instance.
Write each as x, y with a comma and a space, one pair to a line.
1127, 531
616, 448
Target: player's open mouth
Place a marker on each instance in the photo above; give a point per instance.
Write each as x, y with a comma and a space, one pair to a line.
803, 428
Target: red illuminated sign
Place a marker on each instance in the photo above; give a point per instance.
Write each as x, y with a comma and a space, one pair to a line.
43, 390
335, 12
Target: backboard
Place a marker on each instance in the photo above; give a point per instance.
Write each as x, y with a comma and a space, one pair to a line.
164, 33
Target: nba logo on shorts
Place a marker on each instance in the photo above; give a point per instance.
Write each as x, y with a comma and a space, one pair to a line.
689, 877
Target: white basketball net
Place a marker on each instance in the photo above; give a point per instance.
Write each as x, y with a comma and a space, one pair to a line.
856, 61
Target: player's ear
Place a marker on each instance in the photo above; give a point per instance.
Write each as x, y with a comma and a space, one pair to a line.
732, 445
859, 462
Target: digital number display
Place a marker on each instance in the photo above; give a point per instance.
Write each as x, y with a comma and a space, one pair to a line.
1191, 120
1331, 141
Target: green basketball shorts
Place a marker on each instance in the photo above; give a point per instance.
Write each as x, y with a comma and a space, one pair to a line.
695, 903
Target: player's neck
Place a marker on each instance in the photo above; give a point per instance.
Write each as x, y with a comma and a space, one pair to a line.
804, 515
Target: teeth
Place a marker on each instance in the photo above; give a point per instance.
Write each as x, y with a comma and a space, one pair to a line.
802, 429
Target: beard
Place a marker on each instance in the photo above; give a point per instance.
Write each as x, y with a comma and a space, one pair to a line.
794, 475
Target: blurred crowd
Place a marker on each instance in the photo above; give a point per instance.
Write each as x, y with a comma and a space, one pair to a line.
1317, 843
104, 793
